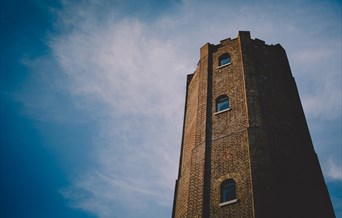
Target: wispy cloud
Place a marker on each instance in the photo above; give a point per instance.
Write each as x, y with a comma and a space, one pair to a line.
133, 85
334, 170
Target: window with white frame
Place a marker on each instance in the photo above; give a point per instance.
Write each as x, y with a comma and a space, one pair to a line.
222, 103
224, 60
228, 191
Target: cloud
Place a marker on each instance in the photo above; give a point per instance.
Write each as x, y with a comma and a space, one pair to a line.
128, 75
318, 71
133, 86
334, 171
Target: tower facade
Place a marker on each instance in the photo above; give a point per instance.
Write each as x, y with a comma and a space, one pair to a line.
246, 149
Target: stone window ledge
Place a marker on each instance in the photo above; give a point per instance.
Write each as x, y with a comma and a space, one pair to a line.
228, 202
219, 112
224, 65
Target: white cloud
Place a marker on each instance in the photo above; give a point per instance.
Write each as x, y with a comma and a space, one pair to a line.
318, 71
334, 170
133, 85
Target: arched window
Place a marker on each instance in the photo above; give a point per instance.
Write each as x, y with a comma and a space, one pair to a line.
228, 191
224, 59
222, 103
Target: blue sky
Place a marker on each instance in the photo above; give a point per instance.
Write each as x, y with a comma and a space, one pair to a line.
92, 96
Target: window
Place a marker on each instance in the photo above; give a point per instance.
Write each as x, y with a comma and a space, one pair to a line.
222, 103
228, 191
224, 59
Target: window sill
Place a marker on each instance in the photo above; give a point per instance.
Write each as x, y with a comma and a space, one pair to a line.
228, 202
224, 65
220, 112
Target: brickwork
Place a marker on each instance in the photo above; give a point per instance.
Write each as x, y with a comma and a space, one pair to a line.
189, 144
195, 204
230, 151
262, 141
230, 161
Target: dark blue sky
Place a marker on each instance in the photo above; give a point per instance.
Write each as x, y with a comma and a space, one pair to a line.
74, 143
31, 175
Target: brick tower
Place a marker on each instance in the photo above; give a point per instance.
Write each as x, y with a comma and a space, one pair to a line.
246, 148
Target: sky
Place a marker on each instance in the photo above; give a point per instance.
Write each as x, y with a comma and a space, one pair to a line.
92, 96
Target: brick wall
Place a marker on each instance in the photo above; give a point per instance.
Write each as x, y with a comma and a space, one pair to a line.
230, 150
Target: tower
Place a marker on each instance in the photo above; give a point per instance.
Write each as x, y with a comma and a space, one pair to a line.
246, 149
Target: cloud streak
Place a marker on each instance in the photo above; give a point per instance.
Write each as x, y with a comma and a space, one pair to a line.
132, 84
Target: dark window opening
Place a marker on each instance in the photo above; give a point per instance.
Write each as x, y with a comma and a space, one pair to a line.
224, 59
228, 190
222, 103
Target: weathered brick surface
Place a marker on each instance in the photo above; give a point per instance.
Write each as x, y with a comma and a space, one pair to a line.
230, 150
262, 141
195, 204
189, 144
